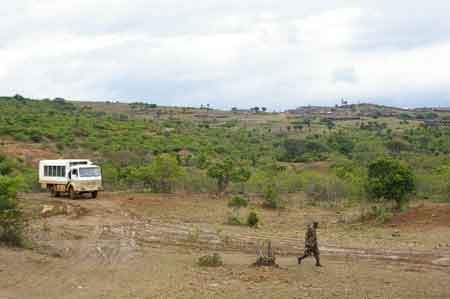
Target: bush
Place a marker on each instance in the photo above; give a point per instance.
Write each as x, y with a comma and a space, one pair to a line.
238, 202
252, 219
289, 181
221, 172
226, 171
434, 185
271, 197
234, 220
196, 181
380, 214
161, 174
324, 188
302, 150
341, 143
12, 222
210, 260
397, 145
390, 180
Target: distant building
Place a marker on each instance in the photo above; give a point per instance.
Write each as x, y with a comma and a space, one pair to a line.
342, 118
436, 123
441, 109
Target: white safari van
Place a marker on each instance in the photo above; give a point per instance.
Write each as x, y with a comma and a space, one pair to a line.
74, 177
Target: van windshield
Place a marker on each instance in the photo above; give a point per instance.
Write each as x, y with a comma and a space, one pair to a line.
89, 171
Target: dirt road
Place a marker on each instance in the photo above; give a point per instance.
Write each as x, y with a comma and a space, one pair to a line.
134, 246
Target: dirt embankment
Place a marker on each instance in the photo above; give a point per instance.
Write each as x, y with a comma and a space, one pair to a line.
423, 217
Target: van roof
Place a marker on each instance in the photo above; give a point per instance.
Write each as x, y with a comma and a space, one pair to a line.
63, 161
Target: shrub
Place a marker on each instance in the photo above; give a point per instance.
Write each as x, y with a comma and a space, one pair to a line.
235, 203
226, 171
234, 220
196, 181
302, 150
397, 145
161, 174
271, 197
12, 222
380, 214
252, 219
221, 172
390, 180
434, 185
238, 202
289, 181
341, 143
324, 188
210, 260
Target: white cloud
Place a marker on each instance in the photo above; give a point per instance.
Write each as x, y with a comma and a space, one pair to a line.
227, 53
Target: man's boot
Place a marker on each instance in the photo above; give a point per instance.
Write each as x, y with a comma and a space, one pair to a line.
318, 264
299, 260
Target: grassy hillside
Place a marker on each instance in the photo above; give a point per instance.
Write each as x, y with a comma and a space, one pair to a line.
197, 150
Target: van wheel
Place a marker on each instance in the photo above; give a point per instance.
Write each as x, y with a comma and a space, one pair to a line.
94, 194
72, 193
54, 193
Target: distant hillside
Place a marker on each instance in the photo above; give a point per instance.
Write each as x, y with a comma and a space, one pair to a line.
242, 149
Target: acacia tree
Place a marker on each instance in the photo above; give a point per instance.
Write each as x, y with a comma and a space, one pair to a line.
390, 180
221, 172
226, 171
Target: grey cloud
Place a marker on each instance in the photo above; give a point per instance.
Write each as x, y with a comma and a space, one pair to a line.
227, 53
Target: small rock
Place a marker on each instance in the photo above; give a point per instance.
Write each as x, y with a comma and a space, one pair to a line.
46, 210
396, 233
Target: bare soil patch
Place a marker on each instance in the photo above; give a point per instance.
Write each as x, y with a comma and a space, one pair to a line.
29, 152
423, 217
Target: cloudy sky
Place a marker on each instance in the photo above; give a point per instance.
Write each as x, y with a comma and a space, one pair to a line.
274, 53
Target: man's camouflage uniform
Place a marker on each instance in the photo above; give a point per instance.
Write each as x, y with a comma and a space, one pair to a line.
311, 246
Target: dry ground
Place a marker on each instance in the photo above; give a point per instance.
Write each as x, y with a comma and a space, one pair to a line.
146, 246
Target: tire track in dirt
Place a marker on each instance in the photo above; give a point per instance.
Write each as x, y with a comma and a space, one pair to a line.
116, 243
125, 232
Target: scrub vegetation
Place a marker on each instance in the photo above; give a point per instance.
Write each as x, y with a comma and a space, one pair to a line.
144, 147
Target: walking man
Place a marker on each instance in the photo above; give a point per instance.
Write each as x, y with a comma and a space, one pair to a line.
311, 246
